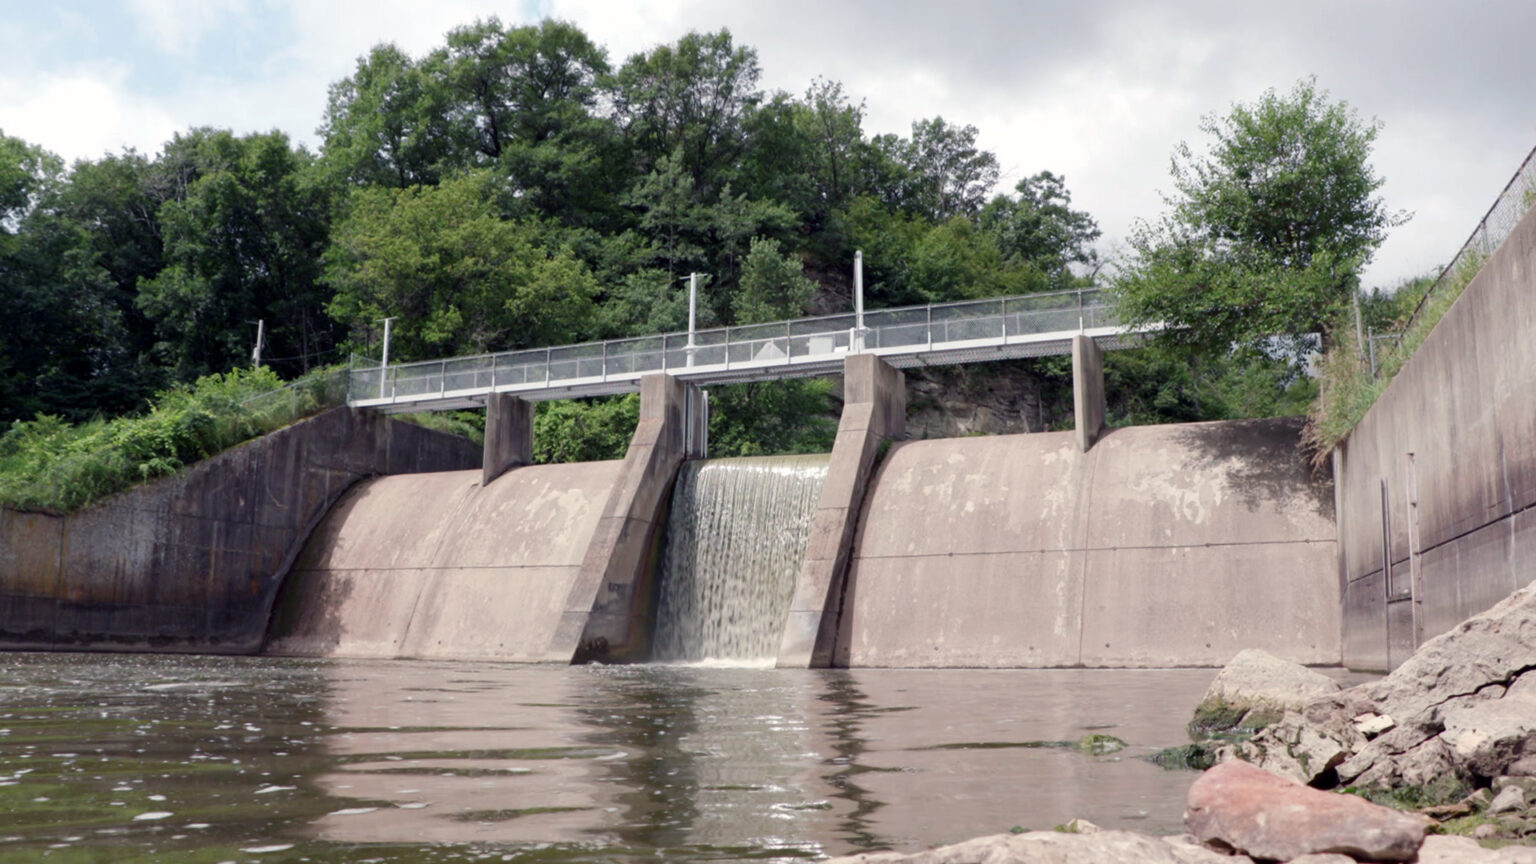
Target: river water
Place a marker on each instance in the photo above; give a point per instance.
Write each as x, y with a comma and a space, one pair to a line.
208, 759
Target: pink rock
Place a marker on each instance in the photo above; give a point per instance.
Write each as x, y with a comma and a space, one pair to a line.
1268, 817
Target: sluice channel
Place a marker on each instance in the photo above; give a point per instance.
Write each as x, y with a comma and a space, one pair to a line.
735, 540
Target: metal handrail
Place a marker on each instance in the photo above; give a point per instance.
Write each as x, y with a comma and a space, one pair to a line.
779, 345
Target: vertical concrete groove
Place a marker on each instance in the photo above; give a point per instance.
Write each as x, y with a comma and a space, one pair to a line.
606, 615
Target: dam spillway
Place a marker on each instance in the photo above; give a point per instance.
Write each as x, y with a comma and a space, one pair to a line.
439, 565
736, 537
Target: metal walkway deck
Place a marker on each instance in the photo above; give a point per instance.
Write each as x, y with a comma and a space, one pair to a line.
1030, 325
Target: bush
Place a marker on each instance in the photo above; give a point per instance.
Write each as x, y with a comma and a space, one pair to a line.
49, 465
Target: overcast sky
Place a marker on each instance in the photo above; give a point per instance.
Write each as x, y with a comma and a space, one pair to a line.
1098, 91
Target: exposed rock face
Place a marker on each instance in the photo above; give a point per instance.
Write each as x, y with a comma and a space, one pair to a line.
1001, 398
1050, 847
1461, 711
1254, 812
1255, 689
1293, 748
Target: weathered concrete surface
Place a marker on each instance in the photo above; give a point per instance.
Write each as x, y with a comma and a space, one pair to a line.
438, 565
1088, 400
874, 412
609, 610
1460, 507
1161, 546
508, 435
192, 562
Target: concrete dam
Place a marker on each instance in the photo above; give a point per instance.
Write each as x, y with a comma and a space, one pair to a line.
351, 534
1157, 546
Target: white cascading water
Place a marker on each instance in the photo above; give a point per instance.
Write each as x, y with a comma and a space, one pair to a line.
735, 540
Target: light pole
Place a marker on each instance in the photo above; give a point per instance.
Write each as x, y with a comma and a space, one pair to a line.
384, 366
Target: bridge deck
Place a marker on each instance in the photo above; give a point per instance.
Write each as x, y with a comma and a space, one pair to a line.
1001, 328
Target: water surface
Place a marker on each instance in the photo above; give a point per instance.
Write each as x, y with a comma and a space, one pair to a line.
203, 759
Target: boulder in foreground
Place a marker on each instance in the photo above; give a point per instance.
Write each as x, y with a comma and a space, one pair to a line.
1249, 810
1051, 847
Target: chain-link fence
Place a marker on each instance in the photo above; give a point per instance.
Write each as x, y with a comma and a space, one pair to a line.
311, 394
1495, 226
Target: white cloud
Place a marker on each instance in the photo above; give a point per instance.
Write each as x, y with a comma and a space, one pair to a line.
83, 116
176, 26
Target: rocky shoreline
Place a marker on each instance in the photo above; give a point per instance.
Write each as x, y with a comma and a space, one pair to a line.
1435, 763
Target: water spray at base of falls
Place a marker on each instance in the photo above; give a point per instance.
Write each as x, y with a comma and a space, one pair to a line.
735, 541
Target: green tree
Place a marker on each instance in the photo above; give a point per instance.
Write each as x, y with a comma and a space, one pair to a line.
773, 286
943, 173
691, 102
1040, 230
459, 278
388, 123
1269, 229
243, 244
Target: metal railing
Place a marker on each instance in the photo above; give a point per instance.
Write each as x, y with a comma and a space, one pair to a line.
778, 349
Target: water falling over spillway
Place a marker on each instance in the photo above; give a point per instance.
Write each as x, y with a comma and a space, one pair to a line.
735, 540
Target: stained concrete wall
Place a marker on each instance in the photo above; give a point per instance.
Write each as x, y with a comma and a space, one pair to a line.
1460, 508
1160, 546
191, 562
441, 566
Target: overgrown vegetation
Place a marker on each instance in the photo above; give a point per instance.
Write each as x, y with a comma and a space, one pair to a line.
50, 465
1348, 383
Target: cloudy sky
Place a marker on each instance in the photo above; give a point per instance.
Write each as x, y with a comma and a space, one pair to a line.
1098, 91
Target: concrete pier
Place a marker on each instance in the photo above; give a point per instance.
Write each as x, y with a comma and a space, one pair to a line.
508, 435
874, 413
1088, 400
610, 608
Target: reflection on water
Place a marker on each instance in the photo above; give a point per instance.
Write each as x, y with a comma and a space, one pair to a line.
199, 759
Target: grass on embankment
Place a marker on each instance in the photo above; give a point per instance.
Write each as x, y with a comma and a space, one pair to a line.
49, 465
1346, 387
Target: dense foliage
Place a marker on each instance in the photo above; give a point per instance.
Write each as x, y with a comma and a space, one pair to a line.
1269, 230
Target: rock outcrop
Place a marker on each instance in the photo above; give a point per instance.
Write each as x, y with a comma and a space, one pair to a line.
1460, 712
1254, 690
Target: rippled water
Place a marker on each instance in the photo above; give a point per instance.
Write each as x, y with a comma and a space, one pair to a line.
200, 759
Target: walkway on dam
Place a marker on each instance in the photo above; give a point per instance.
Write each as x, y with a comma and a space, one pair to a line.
999, 328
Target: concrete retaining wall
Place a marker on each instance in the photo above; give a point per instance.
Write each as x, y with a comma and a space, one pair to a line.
437, 565
191, 562
1160, 546
1458, 509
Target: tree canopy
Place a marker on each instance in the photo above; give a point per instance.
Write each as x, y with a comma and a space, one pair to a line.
1269, 228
